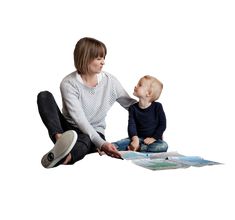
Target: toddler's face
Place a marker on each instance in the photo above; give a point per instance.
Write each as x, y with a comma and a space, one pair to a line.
141, 90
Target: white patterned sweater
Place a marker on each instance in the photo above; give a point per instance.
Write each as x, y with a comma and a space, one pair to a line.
86, 107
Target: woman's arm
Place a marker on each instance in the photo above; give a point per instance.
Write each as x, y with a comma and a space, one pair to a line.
122, 96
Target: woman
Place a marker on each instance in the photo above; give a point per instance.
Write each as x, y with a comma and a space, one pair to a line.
87, 95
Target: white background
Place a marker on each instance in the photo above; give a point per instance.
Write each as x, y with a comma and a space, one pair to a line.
188, 45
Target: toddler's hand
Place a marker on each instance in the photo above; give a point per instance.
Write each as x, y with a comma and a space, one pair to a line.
149, 140
133, 147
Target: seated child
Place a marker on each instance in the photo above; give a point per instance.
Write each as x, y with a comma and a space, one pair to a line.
147, 120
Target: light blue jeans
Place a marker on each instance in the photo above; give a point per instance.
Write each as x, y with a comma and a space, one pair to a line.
156, 147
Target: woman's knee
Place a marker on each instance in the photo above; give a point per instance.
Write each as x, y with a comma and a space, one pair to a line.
44, 95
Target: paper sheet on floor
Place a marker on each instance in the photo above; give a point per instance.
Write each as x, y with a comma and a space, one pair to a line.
166, 160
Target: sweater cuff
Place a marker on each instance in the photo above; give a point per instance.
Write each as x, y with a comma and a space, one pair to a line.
98, 142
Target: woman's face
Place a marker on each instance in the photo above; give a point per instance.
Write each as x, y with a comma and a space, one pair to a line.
96, 65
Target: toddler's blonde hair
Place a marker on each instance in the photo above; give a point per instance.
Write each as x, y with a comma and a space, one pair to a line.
156, 87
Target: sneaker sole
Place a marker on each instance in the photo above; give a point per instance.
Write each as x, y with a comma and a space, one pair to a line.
61, 148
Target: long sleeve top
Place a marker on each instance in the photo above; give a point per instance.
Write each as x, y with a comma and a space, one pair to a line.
86, 107
149, 122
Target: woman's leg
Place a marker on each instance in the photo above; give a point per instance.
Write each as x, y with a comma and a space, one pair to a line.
82, 147
56, 125
68, 150
61, 149
51, 115
156, 147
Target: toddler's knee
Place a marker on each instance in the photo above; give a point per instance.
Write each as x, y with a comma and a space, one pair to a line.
165, 146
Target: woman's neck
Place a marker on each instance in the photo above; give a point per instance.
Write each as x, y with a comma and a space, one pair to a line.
90, 80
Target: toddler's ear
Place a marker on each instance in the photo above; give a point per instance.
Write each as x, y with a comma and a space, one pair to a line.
149, 93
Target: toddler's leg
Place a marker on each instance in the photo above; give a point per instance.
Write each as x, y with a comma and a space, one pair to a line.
156, 147
122, 145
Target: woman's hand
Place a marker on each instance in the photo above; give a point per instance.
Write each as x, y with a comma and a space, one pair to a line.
111, 150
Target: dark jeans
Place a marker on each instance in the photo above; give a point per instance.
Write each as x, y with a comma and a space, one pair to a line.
55, 123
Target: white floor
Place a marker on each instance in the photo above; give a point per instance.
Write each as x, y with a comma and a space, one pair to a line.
105, 188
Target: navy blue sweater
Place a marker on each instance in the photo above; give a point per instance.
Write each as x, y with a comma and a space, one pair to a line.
149, 122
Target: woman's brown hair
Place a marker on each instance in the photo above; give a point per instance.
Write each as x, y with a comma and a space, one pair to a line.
86, 50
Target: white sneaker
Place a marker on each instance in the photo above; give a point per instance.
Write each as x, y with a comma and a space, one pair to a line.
62, 147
